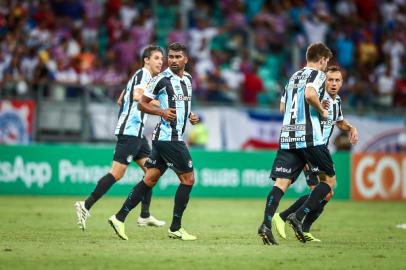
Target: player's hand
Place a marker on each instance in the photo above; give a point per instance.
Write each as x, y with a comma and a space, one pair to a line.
194, 118
325, 104
324, 114
306, 167
169, 114
353, 136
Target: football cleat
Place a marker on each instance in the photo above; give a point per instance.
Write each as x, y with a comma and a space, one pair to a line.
279, 224
310, 238
296, 226
266, 235
181, 234
150, 221
82, 214
118, 227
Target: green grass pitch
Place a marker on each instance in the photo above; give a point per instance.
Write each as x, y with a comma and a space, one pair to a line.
41, 233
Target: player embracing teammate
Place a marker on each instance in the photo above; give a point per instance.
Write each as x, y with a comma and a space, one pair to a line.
301, 143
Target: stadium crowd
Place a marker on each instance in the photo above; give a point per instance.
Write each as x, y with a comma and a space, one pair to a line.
242, 51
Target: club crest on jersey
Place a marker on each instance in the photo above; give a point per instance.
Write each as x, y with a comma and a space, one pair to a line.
181, 97
130, 158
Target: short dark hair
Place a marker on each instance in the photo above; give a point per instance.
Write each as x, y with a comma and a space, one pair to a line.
147, 52
333, 69
316, 51
177, 47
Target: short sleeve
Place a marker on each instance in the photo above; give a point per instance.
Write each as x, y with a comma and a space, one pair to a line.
283, 97
317, 82
154, 86
143, 81
340, 116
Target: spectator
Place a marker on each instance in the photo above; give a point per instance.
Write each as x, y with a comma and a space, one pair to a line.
386, 88
252, 86
199, 135
396, 49
367, 52
400, 95
217, 89
345, 50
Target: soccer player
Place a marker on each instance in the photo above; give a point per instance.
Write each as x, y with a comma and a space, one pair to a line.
331, 100
173, 89
131, 144
301, 142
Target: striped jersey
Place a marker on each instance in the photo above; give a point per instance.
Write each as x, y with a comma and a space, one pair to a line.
172, 92
334, 114
301, 122
131, 120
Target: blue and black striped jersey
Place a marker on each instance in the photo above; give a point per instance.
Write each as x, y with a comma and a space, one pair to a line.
172, 92
334, 114
131, 120
301, 122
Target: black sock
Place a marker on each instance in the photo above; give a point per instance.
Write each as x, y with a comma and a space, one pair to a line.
102, 187
145, 204
293, 208
136, 195
312, 216
181, 200
314, 200
272, 202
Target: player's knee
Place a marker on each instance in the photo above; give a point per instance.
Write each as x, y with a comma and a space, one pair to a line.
187, 178
331, 181
151, 177
329, 195
117, 174
151, 181
282, 183
190, 181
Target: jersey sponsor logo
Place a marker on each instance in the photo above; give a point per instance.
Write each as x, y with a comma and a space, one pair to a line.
294, 139
284, 170
378, 176
300, 77
150, 161
315, 169
181, 97
288, 128
327, 122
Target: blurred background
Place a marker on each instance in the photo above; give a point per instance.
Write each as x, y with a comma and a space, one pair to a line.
64, 63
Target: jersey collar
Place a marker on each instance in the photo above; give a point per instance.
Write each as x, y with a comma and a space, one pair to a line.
173, 74
329, 97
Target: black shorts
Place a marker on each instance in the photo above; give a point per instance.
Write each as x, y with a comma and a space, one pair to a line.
129, 148
311, 178
170, 154
290, 162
